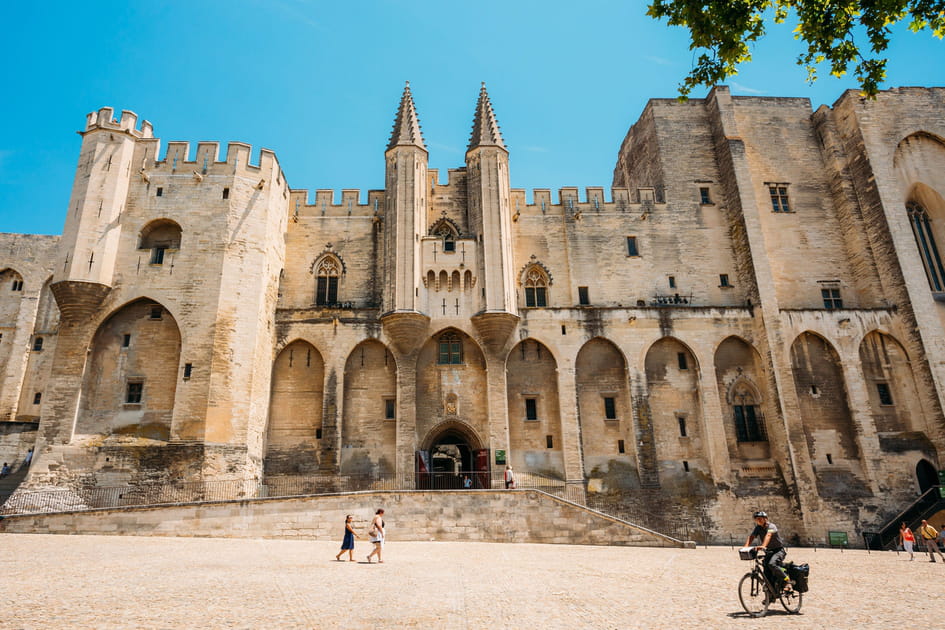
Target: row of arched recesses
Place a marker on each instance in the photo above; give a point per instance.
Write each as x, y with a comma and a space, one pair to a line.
657, 429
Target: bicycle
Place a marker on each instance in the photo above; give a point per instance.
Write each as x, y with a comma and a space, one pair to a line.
756, 591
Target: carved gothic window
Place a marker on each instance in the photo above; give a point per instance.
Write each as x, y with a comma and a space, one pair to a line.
536, 287
928, 250
446, 231
327, 272
749, 425
450, 349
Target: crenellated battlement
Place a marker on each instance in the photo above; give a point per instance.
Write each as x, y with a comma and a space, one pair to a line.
570, 201
301, 204
104, 118
177, 157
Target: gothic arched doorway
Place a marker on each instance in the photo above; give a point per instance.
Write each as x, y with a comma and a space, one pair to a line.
926, 475
451, 454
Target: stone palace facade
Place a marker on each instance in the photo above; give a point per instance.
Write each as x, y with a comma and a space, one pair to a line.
750, 315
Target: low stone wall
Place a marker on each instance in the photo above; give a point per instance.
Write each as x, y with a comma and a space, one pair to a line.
521, 516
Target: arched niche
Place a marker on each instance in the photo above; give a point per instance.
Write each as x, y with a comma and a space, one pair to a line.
11, 300
369, 414
131, 378
159, 237
295, 410
451, 383
605, 412
825, 415
672, 378
890, 384
531, 375
741, 377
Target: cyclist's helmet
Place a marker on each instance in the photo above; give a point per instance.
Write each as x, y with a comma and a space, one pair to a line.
760, 514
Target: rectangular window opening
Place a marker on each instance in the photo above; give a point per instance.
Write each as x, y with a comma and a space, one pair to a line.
831, 298
564, 329
610, 408
318, 434
885, 395
704, 197
685, 466
157, 312
226, 193
159, 192
632, 246
125, 340
37, 398
672, 282
390, 409
38, 344
682, 360
620, 447
779, 197
188, 370
549, 441
723, 280
583, 296
531, 409
134, 393
682, 426
829, 459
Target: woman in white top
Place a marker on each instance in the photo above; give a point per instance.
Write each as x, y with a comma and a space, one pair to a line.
377, 535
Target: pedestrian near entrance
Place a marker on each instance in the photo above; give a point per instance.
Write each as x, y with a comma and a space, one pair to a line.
509, 478
929, 534
377, 534
347, 544
907, 538
5, 470
467, 482
28, 458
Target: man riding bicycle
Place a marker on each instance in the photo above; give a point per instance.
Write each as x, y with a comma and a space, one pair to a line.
771, 542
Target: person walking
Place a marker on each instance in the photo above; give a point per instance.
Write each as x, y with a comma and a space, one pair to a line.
929, 534
509, 478
28, 458
5, 470
347, 544
907, 538
377, 534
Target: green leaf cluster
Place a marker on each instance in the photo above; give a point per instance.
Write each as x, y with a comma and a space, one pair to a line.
840, 33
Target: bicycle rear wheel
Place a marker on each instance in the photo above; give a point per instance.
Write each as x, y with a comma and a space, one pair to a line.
753, 595
792, 601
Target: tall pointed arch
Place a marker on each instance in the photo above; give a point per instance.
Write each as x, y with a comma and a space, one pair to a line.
328, 270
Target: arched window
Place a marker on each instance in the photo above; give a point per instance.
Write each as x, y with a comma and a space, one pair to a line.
749, 425
451, 349
327, 272
160, 236
448, 232
536, 287
922, 230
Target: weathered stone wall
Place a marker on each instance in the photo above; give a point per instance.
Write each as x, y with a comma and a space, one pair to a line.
518, 516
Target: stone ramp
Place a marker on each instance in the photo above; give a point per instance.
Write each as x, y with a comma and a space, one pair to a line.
518, 516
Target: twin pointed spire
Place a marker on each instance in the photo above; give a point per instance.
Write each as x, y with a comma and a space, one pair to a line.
407, 124
485, 131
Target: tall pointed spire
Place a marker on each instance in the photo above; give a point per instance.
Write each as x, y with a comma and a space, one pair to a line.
485, 131
406, 125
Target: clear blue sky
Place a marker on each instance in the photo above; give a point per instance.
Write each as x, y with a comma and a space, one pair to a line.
319, 81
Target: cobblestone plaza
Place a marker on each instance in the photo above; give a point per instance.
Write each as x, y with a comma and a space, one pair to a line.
150, 582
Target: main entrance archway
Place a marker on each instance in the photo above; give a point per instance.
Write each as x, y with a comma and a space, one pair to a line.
451, 453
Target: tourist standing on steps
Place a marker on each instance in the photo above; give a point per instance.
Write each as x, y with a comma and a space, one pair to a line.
929, 534
28, 458
509, 478
5, 470
377, 535
348, 542
907, 538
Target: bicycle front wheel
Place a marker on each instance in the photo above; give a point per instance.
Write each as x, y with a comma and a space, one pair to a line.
753, 595
792, 601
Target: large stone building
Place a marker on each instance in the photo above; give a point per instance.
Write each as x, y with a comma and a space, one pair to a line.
751, 315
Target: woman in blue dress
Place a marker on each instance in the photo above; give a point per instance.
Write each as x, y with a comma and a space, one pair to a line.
348, 543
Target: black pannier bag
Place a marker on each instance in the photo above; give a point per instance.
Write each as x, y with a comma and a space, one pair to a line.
799, 574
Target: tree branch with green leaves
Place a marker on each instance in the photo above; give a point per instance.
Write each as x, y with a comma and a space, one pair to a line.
840, 33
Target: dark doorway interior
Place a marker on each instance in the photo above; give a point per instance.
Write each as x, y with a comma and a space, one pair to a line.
926, 474
450, 460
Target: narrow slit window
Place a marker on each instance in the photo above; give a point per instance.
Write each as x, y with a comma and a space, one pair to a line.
549, 441
885, 395
682, 360
188, 370
390, 409
620, 447
632, 246
682, 426
226, 193
125, 340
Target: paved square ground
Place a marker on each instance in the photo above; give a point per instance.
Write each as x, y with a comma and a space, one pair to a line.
148, 582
